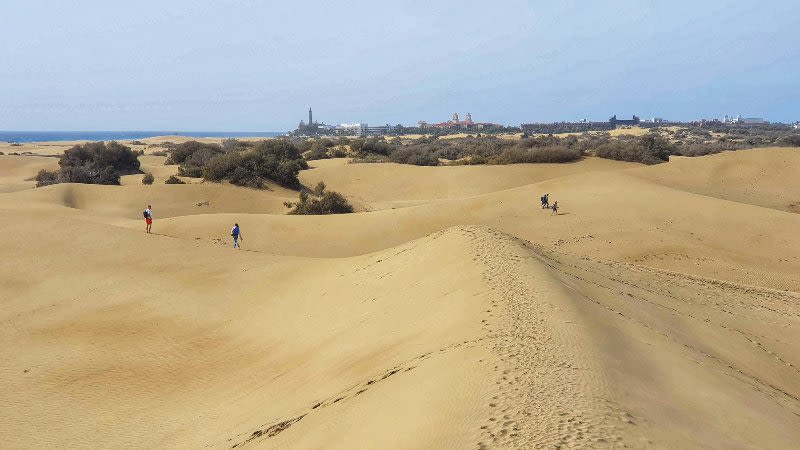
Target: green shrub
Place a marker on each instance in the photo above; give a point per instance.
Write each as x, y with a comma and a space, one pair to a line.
377, 145
791, 141
555, 154
231, 144
160, 153
174, 180
148, 179
316, 153
319, 202
178, 154
46, 178
647, 149
92, 163
277, 160
414, 156
191, 156
101, 155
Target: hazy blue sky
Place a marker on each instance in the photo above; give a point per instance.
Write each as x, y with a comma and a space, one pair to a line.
259, 65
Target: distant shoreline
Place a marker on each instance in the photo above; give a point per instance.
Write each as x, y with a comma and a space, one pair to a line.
54, 136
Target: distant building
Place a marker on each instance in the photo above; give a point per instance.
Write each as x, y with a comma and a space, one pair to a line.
380, 129
743, 121
634, 121
455, 122
797, 126
582, 126
352, 129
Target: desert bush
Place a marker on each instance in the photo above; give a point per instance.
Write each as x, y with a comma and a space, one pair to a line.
160, 153
414, 156
92, 163
178, 154
648, 149
174, 180
277, 160
339, 152
790, 141
229, 145
553, 154
100, 155
46, 178
376, 145
316, 153
193, 165
88, 174
708, 148
137, 143
319, 201
148, 178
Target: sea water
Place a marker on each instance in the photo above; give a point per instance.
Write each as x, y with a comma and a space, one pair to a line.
47, 136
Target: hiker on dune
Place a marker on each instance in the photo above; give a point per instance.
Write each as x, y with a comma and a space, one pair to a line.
148, 218
236, 233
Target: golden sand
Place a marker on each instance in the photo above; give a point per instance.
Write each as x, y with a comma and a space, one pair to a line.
658, 309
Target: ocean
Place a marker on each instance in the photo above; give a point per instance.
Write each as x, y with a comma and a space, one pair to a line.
47, 136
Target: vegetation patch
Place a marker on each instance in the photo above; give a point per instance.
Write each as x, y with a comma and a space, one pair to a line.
648, 149
249, 164
92, 163
192, 156
319, 201
174, 180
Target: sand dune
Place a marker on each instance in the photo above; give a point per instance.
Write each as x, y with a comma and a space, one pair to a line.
172, 200
391, 185
660, 310
621, 217
763, 177
19, 171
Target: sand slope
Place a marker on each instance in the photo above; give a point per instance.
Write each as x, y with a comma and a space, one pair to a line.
764, 177
18, 172
659, 310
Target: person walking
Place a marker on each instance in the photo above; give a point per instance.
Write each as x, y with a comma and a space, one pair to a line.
236, 233
546, 201
148, 218
555, 208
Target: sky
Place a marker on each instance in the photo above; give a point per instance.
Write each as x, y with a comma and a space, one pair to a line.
259, 65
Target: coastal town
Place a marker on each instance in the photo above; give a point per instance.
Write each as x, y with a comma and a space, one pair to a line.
456, 124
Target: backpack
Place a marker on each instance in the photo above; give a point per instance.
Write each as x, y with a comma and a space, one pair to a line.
145, 214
